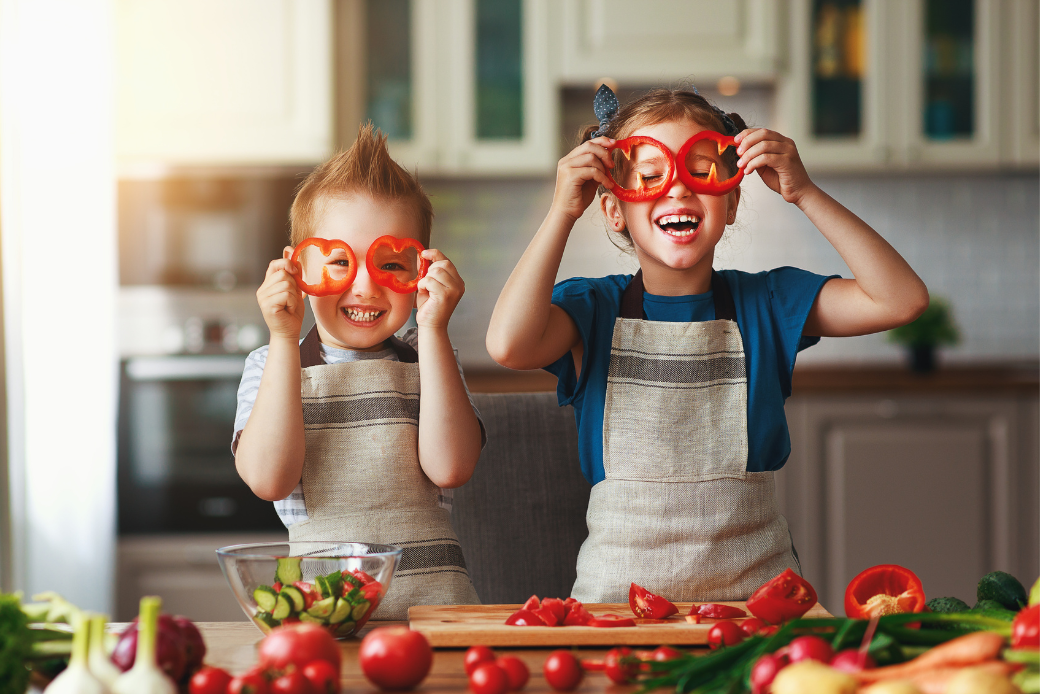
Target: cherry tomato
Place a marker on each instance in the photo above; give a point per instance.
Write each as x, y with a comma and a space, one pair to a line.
488, 678
725, 634
292, 682
1025, 629
809, 648
323, 676
516, 671
752, 626
763, 672
297, 645
250, 683
851, 660
209, 680
476, 655
616, 669
663, 653
562, 671
395, 657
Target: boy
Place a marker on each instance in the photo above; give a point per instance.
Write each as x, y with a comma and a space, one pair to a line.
328, 427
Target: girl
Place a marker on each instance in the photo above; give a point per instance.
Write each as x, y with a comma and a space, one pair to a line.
678, 375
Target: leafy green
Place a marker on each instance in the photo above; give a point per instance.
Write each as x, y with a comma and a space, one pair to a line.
16, 645
933, 327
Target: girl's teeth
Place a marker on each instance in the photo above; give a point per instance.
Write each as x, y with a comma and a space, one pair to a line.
362, 316
677, 219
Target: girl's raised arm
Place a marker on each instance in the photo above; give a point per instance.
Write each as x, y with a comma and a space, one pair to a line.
527, 331
885, 292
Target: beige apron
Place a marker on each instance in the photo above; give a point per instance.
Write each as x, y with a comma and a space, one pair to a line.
361, 476
678, 513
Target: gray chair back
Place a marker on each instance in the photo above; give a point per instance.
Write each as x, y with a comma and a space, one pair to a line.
521, 517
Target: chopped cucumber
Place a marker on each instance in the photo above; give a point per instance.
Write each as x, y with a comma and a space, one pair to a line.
335, 583
346, 628
267, 619
360, 609
296, 596
323, 586
352, 579
322, 608
265, 597
353, 594
282, 607
288, 570
343, 610
304, 617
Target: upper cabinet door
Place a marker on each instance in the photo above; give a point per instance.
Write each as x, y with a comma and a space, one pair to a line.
224, 81
1022, 116
662, 41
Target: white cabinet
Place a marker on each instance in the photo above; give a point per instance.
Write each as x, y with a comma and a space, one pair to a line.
945, 486
661, 41
912, 84
223, 81
430, 104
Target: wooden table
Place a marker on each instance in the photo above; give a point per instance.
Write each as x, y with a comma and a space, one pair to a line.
232, 646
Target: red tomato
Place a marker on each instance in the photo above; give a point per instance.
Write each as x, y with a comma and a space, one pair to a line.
617, 669
809, 648
1025, 630
292, 682
323, 676
752, 626
525, 618
663, 653
643, 603
851, 660
764, 671
532, 603
476, 655
516, 671
250, 683
209, 680
610, 622
547, 616
395, 657
489, 678
562, 671
725, 634
557, 607
297, 644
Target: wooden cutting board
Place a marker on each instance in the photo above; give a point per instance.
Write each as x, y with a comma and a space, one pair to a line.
484, 625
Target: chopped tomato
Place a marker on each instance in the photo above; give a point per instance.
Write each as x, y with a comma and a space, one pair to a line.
645, 604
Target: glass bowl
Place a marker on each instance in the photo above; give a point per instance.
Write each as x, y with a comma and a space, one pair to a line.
337, 585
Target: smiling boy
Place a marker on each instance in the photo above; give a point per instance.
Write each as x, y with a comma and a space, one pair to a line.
328, 427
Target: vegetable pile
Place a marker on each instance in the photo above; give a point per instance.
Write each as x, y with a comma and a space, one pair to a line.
342, 601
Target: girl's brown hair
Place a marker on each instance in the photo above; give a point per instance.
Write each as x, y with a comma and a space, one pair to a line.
365, 168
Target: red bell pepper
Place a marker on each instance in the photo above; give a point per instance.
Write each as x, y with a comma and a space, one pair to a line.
883, 589
1025, 630
786, 597
327, 286
388, 247
645, 604
710, 185
643, 193
610, 622
713, 610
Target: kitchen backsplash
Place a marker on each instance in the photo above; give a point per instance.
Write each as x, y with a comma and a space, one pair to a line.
974, 240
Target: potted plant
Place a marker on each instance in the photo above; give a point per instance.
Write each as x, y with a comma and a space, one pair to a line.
932, 328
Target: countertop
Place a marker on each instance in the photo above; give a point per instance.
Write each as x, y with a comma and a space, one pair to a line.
232, 646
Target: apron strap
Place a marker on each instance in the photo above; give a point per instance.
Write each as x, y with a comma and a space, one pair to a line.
310, 350
632, 298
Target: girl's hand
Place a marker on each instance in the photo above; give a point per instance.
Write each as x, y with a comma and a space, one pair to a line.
280, 298
439, 291
579, 174
776, 159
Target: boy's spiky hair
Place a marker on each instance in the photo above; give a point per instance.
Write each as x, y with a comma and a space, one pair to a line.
365, 168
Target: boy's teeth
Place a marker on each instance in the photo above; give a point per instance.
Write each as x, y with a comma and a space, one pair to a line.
362, 316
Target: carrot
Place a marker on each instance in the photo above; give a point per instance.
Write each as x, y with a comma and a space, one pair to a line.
970, 649
935, 681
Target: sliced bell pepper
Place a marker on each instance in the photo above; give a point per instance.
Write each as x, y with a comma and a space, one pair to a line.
710, 185
392, 246
713, 610
645, 604
610, 622
642, 192
327, 286
786, 597
882, 590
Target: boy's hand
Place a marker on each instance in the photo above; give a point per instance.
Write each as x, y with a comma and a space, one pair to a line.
280, 298
776, 159
579, 174
439, 291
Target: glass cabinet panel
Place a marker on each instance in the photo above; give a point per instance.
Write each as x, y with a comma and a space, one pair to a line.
499, 70
388, 98
949, 69
838, 67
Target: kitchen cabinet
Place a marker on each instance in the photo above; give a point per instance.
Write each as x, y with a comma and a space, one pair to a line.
459, 86
183, 571
943, 483
205, 82
664, 41
912, 84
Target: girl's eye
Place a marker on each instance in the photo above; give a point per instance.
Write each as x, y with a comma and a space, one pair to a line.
342, 262
392, 267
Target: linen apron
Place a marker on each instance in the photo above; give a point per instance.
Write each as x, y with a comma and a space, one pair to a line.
678, 513
361, 476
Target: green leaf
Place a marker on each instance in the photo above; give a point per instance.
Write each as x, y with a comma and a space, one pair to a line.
15, 645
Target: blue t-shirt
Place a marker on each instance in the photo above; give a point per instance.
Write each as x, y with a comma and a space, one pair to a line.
771, 311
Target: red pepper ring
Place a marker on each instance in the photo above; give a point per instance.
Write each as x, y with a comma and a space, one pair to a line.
710, 185
387, 277
883, 589
327, 286
642, 193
